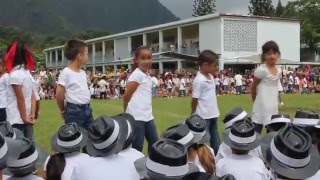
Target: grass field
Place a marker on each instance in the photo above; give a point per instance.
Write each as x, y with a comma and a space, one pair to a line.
166, 111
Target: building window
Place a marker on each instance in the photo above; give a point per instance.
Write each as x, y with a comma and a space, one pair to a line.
240, 35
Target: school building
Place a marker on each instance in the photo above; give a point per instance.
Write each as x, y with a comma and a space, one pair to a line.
233, 37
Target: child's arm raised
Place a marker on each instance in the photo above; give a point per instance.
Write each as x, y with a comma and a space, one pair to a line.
20, 102
60, 99
130, 89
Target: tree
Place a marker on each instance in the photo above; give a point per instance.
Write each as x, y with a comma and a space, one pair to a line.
279, 9
203, 7
261, 8
91, 33
308, 12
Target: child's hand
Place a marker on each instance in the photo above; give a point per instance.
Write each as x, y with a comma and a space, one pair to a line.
31, 119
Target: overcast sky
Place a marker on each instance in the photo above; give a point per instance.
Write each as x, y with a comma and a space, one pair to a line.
183, 8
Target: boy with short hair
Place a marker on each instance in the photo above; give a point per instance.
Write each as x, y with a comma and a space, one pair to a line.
73, 87
204, 100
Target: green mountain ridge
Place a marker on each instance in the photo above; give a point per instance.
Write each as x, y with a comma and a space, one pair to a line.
65, 17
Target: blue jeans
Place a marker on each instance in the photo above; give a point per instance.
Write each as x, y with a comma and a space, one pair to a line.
80, 114
290, 86
239, 89
154, 91
258, 127
212, 127
3, 114
144, 129
26, 129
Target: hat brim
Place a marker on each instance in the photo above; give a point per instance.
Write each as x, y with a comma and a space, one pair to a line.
205, 139
116, 147
287, 171
131, 120
75, 148
244, 147
19, 134
42, 156
140, 165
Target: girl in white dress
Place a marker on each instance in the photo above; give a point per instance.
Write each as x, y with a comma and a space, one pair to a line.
264, 89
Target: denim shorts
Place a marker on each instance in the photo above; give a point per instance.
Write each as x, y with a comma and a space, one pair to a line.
80, 114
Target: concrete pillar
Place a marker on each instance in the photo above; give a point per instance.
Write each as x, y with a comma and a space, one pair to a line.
144, 39
129, 66
179, 65
56, 63
103, 69
179, 29
114, 68
50, 60
93, 54
161, 66
115, 56
160, 41
47, 58
129, 46
221, 64
63, 59
94, 68
103, 51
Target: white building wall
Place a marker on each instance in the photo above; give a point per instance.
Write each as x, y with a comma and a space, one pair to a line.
210, 35
121, 48
286, 34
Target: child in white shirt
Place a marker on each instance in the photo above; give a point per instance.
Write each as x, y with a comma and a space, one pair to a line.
204, 99
73, 87
138, 99
20, 99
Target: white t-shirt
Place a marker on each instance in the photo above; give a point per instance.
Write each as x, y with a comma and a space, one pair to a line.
72, 162
315, 177
242, 167
155, 82
182, 84
18, 76
35, 88
296, 81
28, 177
169, 84
291, 81
3, 90
123, 83
225, 151
305, 83
109, 167
140, 105
266, 103
217, 81
43, 73
76, 87
226, 81
205, 91
102, 85
238, 79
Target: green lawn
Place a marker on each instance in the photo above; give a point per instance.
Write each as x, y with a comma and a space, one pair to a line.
166, 111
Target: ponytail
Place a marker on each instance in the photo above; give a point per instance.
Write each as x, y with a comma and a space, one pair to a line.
55, 167
206, 158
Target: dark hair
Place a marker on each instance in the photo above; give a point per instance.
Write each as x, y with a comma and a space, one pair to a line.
73, 47
269, 46
20, 55
137, 54
55, 166
209, 57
